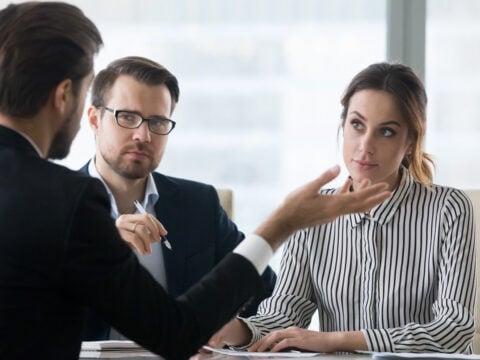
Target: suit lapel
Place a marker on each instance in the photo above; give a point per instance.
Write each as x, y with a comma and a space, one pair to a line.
169, 212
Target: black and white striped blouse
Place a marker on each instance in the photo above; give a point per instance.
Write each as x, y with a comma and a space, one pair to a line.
403, 274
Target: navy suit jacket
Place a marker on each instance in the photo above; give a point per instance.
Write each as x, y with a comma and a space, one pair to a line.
201, 235
60, 252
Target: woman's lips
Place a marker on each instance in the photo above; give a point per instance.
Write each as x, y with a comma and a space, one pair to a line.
364, 165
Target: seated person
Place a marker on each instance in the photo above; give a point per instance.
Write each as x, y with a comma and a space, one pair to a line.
60, 250
129, 92
399, 278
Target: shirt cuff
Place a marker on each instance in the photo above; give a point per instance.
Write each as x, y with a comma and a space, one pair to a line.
378, 340
255, 249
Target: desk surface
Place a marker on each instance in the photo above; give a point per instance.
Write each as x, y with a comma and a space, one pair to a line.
231, 357
318, 357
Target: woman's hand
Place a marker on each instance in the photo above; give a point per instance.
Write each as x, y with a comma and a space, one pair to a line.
308, 340
140, 231
234, 333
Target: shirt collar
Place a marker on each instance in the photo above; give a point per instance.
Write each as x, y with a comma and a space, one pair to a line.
149, 200
383, 212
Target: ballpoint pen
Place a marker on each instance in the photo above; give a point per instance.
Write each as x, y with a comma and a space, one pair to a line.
141, 210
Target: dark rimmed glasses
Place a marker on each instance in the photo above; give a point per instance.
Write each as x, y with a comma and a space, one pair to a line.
159, 125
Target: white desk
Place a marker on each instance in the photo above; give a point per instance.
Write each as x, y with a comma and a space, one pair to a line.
228, 357
318, 357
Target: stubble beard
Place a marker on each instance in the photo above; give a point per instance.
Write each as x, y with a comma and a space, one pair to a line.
63, 139
132, 170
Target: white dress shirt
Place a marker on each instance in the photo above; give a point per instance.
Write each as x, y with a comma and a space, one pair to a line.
153, 262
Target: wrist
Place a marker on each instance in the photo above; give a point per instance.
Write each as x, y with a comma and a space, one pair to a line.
241, 334
275, 230
349, 341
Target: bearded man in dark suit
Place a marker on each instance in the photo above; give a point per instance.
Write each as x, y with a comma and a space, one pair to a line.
59, 248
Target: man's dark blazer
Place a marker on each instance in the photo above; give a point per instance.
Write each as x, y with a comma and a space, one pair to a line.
60, 252
201, 235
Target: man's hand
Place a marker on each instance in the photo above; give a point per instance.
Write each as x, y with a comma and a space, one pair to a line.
140, 231
307, 207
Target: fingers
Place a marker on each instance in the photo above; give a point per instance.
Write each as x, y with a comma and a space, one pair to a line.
202, 350
156, 226
235, 333
215, 341
140, 231
346, 186
292, 337
323, 179
367, 197
364, 183
267, 343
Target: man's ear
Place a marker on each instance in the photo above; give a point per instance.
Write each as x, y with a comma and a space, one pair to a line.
93, 115
63, 97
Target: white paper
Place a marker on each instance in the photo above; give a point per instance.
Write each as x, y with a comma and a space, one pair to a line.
114, 354
109, 344
277, 355
112, 349
394, 356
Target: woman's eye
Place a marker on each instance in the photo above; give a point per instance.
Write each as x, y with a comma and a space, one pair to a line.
387, 132
356, 124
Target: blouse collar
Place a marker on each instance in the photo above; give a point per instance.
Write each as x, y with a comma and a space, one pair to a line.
383, 212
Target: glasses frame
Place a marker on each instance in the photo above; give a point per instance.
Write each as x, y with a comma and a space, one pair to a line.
144, 119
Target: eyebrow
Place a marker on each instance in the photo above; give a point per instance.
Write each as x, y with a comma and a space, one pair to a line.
391, 122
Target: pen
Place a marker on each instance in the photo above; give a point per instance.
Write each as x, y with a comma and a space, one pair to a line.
141, 210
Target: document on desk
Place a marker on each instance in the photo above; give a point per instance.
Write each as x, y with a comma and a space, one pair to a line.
112, 349
276, 355
431, 356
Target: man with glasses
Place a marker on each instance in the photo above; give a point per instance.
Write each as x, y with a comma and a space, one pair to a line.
132, 100
59, 248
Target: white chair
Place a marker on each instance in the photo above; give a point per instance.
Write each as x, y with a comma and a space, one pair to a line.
226, 200
474, 195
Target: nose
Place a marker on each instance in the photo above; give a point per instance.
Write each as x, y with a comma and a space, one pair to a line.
142, 133
367, 143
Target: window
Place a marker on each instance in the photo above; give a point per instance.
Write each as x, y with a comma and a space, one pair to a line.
453, 86
260, 80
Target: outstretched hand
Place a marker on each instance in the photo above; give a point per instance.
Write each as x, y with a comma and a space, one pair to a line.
306, 206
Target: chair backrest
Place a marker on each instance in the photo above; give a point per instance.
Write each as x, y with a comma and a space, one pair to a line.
226, 200
474, 195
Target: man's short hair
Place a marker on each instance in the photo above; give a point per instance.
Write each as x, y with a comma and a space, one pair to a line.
141, 69
42, 44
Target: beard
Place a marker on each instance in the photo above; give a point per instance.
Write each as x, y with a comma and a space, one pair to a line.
63, 139
132, 170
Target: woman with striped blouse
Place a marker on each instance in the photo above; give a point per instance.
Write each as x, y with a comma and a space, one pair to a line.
399, 278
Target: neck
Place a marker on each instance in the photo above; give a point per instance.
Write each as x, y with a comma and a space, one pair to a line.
37, 130
124, 190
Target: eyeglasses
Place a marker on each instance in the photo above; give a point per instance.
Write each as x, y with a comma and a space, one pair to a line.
159, 125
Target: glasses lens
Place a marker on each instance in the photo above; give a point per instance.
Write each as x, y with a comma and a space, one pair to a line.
128, 120
160, 126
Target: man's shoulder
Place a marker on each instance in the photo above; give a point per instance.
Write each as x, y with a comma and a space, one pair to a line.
71, 180
53, 172
180, 183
